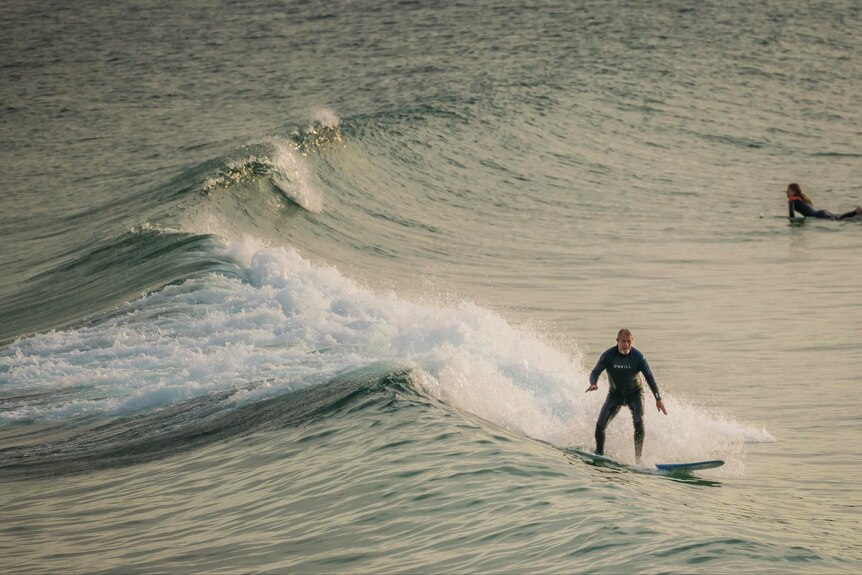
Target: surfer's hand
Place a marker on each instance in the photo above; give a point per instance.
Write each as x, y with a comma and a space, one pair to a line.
660, 406
592, 387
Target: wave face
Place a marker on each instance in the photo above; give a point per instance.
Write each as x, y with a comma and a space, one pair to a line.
310, 288
290, 325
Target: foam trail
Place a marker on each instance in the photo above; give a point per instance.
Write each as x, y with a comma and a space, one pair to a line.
293, 324
473, 359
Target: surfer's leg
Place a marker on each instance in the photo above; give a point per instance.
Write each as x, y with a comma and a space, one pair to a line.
825, 215
636, 406
609, 411
851, 213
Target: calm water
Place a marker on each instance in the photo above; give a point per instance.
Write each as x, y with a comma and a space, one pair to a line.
309, 288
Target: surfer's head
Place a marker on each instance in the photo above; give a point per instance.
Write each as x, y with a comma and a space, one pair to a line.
794, 190
624, 341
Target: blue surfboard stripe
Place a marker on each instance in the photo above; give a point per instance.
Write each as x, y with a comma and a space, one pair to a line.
691, 466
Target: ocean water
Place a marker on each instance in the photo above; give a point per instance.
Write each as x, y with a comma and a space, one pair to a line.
308, 287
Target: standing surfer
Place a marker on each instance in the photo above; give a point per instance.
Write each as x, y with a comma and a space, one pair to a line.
623, 364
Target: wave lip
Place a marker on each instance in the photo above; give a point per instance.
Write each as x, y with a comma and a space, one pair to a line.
280, 162
168, 234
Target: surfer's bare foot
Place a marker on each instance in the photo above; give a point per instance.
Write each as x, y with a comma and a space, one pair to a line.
859, 210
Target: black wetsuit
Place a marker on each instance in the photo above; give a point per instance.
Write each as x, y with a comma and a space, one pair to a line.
796, 204
625, 389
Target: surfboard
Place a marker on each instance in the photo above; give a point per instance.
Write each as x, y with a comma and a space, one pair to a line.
661, 468
690, 466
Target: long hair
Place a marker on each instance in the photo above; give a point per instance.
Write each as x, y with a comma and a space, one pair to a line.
797, 191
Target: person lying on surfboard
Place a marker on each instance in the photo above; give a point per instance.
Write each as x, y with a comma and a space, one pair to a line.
797, 201
623, 364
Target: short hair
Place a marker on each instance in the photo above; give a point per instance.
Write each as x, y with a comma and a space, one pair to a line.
623, 332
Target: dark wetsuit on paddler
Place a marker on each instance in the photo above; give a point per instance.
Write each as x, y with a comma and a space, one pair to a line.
797, 201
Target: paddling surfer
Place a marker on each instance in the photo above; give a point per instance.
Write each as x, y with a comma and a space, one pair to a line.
798, 201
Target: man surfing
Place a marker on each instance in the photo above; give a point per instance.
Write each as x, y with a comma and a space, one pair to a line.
623, 364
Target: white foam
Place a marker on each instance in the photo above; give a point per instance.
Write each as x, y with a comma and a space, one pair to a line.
293, 323
325, 117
